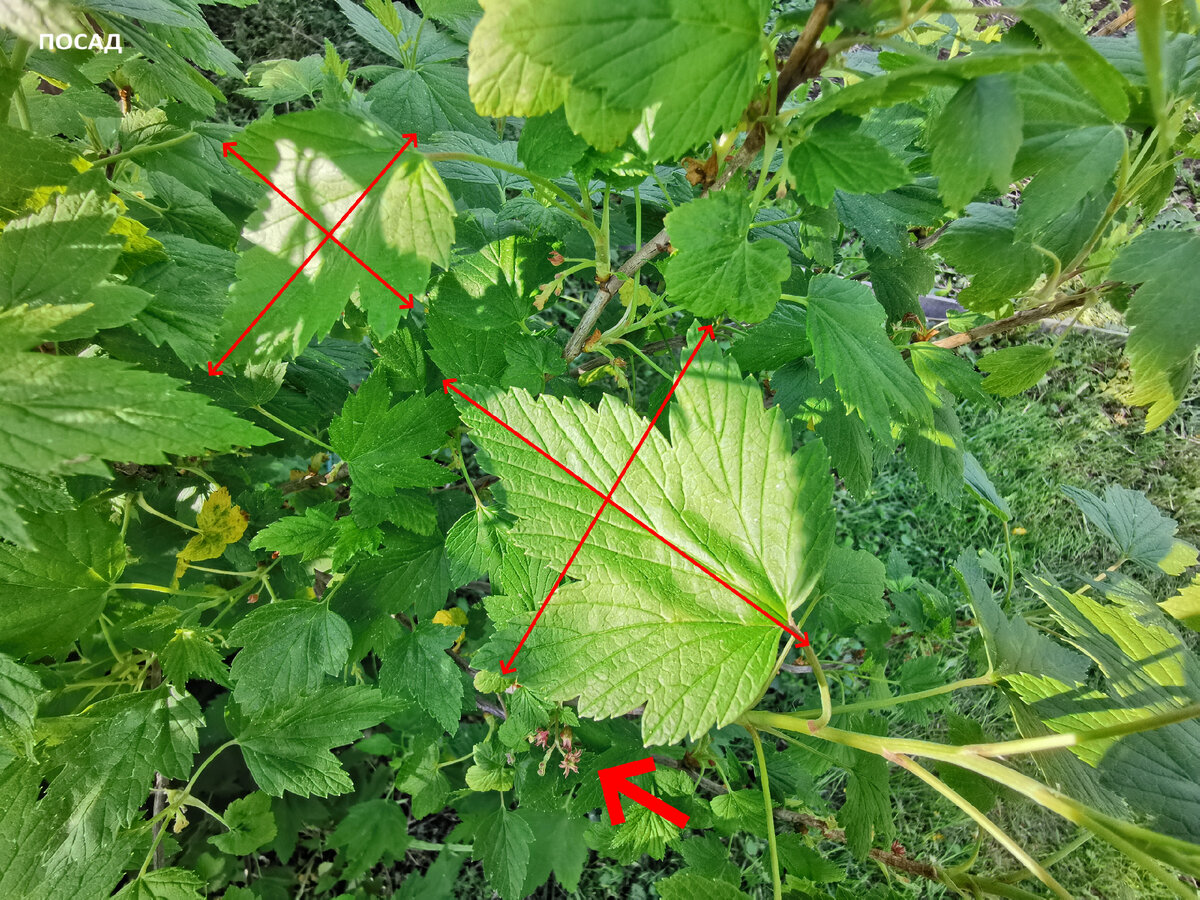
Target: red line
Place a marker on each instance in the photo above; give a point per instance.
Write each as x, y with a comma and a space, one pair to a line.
508, 666
308, 259
802, 639
319, 226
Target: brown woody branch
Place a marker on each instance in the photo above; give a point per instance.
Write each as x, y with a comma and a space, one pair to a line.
804, 62
1059, 304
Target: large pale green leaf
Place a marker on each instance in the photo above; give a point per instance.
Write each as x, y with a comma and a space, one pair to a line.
846, 328
504, 78
1164, 316
642, 624
717, 269
692, 66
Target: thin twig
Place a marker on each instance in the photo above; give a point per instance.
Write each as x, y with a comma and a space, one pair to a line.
1061, 303
1118, 23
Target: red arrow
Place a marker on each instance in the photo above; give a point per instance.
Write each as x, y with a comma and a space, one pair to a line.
227, 147
615, 781
801, 638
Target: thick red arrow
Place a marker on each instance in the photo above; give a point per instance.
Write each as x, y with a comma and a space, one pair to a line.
615, 781
801, 637
227, 148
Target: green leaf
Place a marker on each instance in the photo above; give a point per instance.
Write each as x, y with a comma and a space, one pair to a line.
428, 100
251, 825
397, 31
427, 786
800, 392
979, 483
286, 746
689, 649
502, 844
51, 593
975, 139
900, 280
558, 847
110, 760
696, 72
504, 79
474, 545
1140, 532
548, 146
31, 160
717, 268
66, 414
489, 771
983, 243
19, 689
164, 884
845, 326
309, 535
190, 654
418, 214
687, 885
409, 571
836, 156
288, 648
853, 583
74, 231
936, 365
1164, 316
936, 451
1185, 606
1094, 73
372, 832
384, 445
801, 861
1147, 669
1067, 166
867, 812
778, 339
416, 665
742, 809
1013, 645
707, 857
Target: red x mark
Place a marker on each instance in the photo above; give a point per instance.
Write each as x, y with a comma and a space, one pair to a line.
405, 302
507, 667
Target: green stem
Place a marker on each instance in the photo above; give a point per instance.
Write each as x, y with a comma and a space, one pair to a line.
293, 429
887, 702
414, 844
157, 588
454, 762
222, 571
142, 148
1012, 577
776, 884
141, 501
16, 64
1072, 739
826, 711
600, 239
644, 357
984, 822
179, 801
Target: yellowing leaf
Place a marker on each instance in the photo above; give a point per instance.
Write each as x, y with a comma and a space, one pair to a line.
220, 523
450, 617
